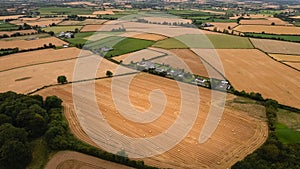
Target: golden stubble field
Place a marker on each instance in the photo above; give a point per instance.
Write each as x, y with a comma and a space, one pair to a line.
39, 22
267, 21
10, 17
253, 70
164, 30
71, 159
31, 44
286, 58
85, 22
30, 75
286, 30
91, 28
22, 32
237, 135
276, 47
222, 25
40, 56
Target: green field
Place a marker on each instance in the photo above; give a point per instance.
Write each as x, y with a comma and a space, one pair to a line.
199, 17
40, 154
188, 13
128, 45
170, 43
4, 26
297, 23
292, 38
91, 37
108, 42
206, 42
64, 11
79, 38
58, 29
120, 45
288, 118
287, 135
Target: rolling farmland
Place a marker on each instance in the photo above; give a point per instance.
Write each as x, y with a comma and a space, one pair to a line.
276, 47
265, 79
281, 30
71, 159
180, 67
31, 44
233, 123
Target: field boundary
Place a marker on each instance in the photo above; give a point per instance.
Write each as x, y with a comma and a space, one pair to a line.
35, 64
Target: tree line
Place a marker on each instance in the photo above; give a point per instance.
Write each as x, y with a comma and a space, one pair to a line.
273, 154
24, 118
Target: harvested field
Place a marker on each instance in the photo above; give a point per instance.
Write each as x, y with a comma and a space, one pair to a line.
31, 44
295, 17
80, 3
82, 23
267, 21
274, 46
10, 17
165, 30
72, 159
91, 28
40, 75
294, 64
161, 20
282, 30
286, 58
247, 70
39, 56
42, 22
108, 12
237, 135
252, 16
148, 36
222, 25
184, 59
22, 32
149, 53
29, 19
58, 29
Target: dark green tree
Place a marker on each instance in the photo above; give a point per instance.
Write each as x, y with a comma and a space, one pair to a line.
62, 79
109, 74
52, 102
15, 155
